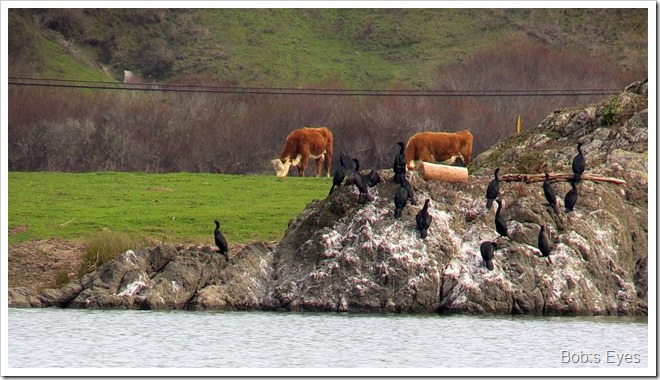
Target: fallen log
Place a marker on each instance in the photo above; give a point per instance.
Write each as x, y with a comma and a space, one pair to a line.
441, 172
529, 178
430, 171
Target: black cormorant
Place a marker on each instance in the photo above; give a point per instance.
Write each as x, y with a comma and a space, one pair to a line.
550, 193
400, 201
500, 224
488, 252
399, 165
411, 192
544, 247
358, 180
339, 174
220, 240
579, 164
424, 219
493, 189
571, 197
372, 179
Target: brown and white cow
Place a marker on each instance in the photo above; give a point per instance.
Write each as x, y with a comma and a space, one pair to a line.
439, 146
301, 145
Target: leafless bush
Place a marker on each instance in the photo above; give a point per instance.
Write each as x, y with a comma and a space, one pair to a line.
76, 130
519, 65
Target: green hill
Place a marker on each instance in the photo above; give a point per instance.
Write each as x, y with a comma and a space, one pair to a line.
375, 48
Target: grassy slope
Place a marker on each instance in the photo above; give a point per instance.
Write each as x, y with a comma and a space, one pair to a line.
356, 47
176, 207
62, 65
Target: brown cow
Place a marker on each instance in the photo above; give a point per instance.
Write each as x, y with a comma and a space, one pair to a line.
301, 145
439, 146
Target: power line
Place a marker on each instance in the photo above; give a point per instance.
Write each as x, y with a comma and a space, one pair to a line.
188, 88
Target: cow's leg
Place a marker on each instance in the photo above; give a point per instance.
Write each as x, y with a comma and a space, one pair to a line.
319, 166
328, 161
303, 165
427, 157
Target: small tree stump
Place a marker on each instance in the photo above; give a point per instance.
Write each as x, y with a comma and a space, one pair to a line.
443, 172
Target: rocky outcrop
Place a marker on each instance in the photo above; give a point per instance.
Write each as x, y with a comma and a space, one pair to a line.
342, 255
165, 277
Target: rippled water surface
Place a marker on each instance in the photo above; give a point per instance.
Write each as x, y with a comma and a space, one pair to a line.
125, 338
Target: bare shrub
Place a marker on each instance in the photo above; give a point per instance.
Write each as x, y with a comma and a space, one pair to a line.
83, 130
521, 65
155, 59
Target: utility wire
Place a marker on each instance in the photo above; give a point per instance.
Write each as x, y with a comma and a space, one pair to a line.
187, 88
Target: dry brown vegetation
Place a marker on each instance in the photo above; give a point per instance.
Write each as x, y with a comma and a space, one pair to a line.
41, 264
89, 130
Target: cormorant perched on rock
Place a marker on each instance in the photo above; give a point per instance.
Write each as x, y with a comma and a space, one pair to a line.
399, 165
579, 164
220, 240
544, 247
411, 192
372, 179
400, 201
488, 252
359, 181
339, 175
500, 224
493, 189
571, 197
550, 193
424, 219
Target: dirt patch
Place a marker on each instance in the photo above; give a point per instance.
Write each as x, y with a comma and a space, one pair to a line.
17, 229
36, 264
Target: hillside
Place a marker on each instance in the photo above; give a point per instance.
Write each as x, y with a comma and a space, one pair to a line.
374, 48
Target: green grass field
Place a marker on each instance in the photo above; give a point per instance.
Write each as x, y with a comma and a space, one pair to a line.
177, 208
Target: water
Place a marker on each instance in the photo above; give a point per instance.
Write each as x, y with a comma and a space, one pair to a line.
42, 338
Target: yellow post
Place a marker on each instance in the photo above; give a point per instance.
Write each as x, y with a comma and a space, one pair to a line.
518, 126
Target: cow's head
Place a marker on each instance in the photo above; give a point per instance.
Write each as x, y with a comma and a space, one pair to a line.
455, 160
281, 168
